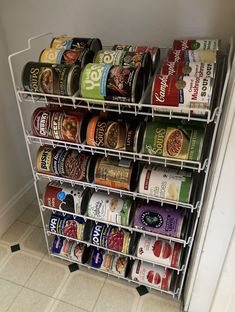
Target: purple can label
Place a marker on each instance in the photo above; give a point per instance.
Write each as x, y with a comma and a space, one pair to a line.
161, 220
57, 244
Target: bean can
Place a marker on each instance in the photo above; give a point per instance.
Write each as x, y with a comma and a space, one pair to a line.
66, 198
155, 276
79, 57
110, 262
171, 140
47, 78
196, 44
111, 208
160, 251
112, 172
201, 56
164, 220
195, 69
44, 159
110, 82
168, 183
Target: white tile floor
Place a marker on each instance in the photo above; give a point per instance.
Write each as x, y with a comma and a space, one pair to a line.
31, 281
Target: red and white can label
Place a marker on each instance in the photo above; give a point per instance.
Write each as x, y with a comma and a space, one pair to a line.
195, 69
202, 56
195, 44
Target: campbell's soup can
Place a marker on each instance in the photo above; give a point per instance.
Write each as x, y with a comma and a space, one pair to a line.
182, 92
155, 276
196, 44
164, 220
66, 198
195, 69
201, 56
173, 140
113, 172
47, 78
168, 183
68, 42
110, 262
111, 208
159, 250
79, 57
110, 82
44, 159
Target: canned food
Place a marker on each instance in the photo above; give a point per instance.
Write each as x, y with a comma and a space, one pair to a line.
111, 208
59, 154
79, 57
160, 251
182, 92
109, 262
67, 198
159, 219
201, 56
44, 159
155, 276
168, 183
47, 78
189, 69
171, 140
196, 44
115, 83
134, 137
112, 172
68, 42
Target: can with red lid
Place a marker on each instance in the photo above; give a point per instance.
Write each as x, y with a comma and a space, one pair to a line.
195, 69
196, 44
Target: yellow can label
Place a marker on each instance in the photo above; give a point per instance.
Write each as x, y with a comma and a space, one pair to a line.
49, 56
61, 42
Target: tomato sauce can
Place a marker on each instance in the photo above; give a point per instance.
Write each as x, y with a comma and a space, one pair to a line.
111, 208
195, 69
47, 78
182, 92
155, 276
196, 44
116, 173
110, 262
201, 56
160, 251
79, 57
168, 183
66, 198
110, 82
173, 140
44, 159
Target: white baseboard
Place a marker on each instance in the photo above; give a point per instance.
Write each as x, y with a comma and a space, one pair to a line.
16, 205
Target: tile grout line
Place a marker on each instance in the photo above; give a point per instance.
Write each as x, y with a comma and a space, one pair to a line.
99, 293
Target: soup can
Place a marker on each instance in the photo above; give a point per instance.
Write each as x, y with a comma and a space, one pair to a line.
173, 140
79, 57
161, 251
168, 183
68, 42
155, 276
111, 208
134, 136
195, 69
44, 159
66, 198
191, 56
41, 123
113, 172
47, 78
110, 262
182, 92
164, 220
196, 44
110, 82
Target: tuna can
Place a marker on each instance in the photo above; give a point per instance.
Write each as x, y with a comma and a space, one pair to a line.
47, 78
160, 251
173, 140
182, 92
126, 58
189, 69
111, 208
115, 83
68, 42
155, 276
201, 56
158, 219
168, 183
196, 44
66, 198
116, 173
79, 57
110, 262
134, 136
44, 159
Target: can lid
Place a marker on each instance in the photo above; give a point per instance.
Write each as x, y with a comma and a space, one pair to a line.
96, 45
73, 79
138, 85
87, 57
